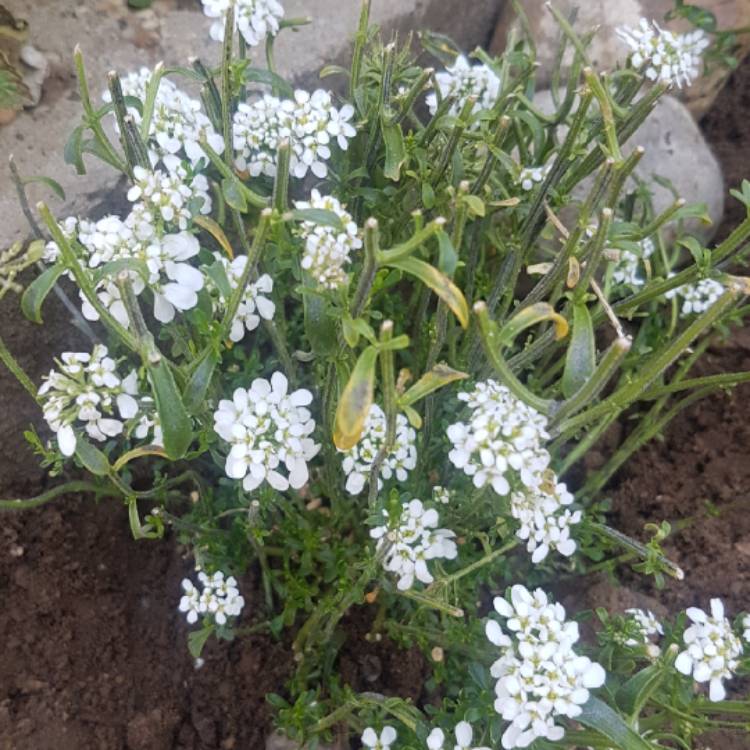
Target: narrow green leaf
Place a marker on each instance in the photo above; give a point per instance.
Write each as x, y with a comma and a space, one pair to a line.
633, 695
92, 459
448, 258
175, 422
231, 188
439, 376
268, 78
200, 380
355, 401
72, 152
395, 149
320, 327
580, 359
114, 267
439, 283
197, 640
53, 185
530, 316
317, 216
599, 716
36, 292
218, 274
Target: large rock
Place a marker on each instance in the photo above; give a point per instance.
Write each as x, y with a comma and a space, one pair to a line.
607, 51
676, 150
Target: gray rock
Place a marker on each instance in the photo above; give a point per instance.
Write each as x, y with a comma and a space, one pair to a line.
675, 149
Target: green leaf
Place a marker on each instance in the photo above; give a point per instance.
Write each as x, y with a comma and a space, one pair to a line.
395, 149
475, 204
318, 216
92, 459
36, 292
580, 359
200, 380
448, 258
439, 283
320, 327
231, 188
633, 695
175, 422
530, 316
218, 274
439, 376
114, 267
72, 152
355, 401
268, 78
197, 640
53, 185
428, 196
599, 716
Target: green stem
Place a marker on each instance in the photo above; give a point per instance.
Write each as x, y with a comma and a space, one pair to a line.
55, 492
369, 269
20, 374
226, 84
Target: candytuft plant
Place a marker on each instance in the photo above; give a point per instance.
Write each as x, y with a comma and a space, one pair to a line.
361, 342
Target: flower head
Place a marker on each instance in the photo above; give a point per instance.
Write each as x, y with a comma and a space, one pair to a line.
255, 19
269, 430
697, 298
412, 540
664, 56
627, 269
462, 80
309, 122
713, 649
218, 598
502, 442
327, 248
539, 675
358, 460
529, 177
647, 624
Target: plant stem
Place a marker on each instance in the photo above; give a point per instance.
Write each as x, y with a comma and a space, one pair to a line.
55, 492
20, 374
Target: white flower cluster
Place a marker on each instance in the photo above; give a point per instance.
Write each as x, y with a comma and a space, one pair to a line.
464, 738
441, 494
309, 121
254, 305
545, 520
268, 429
255, 19
713, 649
174, 196
373, 741
627, 269
177, 123
327, 247
539, 675
358, 460
87, 388
503, 437
463, 80
412, 540
502, 445
648, 626
219, 598
529, 177
697, 298
671, 58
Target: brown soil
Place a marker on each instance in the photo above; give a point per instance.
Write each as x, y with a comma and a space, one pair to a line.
94, 651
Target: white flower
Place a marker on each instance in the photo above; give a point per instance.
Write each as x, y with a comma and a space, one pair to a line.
529, 177
436, 739
268, 430
219, 598
88, 390
175, 196
627, 269
309, 121
464, 737
371, 740
539, 675
358, 460
502, 442
177, 122
255, 19
713, 649
463, 80
254, 305
647, 625
441, 494
412, 540
746, 626
697, 298
327, 248
664, 56
544, 521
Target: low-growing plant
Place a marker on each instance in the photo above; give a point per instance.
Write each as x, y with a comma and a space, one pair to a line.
361, 344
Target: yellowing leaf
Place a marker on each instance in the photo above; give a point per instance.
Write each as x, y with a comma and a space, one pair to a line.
216, 232
355, 402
